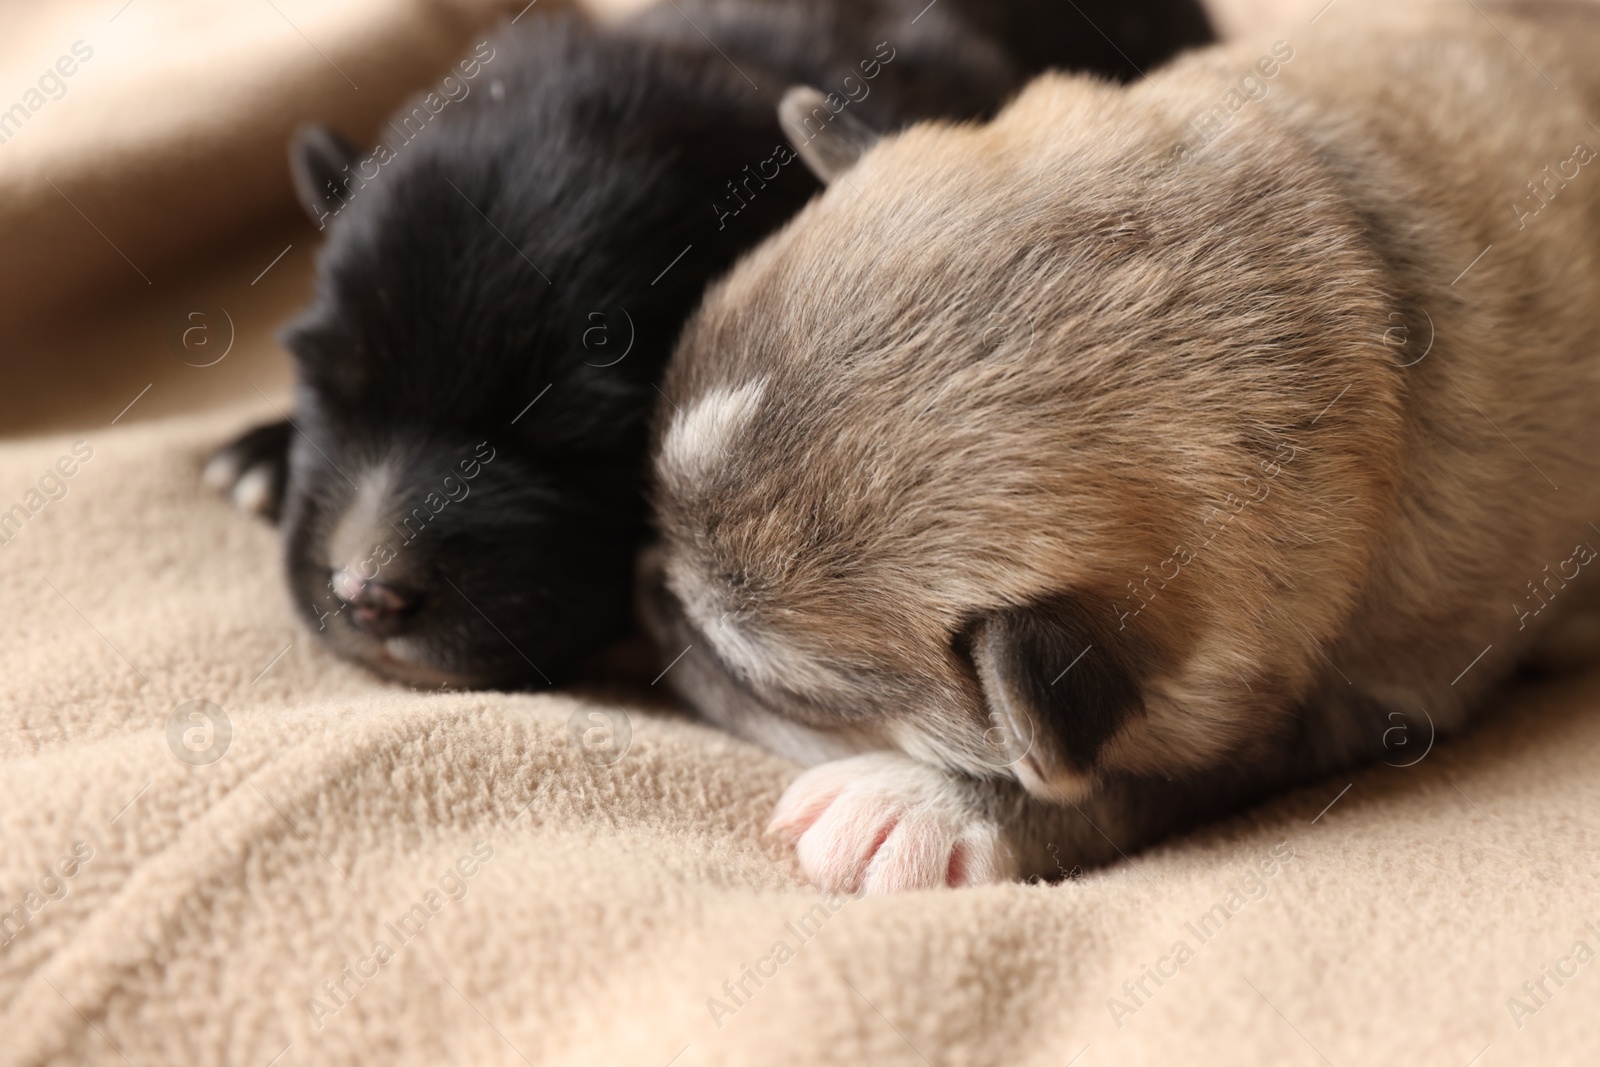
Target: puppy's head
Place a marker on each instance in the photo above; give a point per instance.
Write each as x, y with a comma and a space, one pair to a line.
463, 496
1011, 450
501, 284
465, 489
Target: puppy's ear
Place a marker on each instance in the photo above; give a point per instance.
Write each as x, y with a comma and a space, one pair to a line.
830, 142
318, 156
1059, 681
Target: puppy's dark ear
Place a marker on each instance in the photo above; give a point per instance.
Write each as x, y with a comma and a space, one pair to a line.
829, 141
318, 156
1060, 680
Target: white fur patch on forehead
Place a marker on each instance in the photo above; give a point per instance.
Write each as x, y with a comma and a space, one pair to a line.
365, 523
703, 434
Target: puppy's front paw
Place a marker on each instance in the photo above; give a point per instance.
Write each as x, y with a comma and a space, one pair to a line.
884, 823
253, 470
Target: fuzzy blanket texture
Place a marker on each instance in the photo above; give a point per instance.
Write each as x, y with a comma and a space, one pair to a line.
219, 845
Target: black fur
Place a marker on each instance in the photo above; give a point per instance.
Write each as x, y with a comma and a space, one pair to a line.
1080, 680
587, 188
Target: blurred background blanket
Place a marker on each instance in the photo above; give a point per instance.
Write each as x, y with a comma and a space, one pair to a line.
220, 845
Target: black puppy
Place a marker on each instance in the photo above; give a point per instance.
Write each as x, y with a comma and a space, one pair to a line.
504, 277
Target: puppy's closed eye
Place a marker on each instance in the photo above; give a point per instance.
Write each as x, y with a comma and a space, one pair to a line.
1059, 684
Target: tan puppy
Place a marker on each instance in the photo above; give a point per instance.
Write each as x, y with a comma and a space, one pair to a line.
1073, 478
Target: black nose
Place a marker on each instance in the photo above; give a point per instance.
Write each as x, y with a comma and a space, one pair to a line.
377, 609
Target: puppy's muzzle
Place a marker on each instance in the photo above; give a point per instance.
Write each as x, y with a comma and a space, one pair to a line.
377, 609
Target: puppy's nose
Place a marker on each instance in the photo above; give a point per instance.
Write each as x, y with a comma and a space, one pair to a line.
378, 609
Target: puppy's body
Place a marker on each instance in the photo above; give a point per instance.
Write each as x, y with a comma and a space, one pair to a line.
1084, 458
462, 491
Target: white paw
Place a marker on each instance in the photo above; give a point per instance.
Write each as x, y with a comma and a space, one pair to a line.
252, 488
884, 823
251, 470
254, 492
221, 472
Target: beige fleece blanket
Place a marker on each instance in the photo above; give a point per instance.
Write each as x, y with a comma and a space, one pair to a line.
220, 845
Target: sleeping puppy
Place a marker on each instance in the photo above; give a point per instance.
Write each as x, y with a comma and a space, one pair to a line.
1054, 484
462, 480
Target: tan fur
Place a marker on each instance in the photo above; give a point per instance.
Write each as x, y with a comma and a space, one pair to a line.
1037, 356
